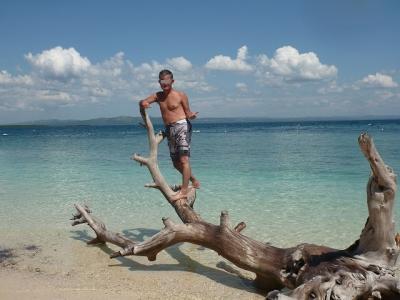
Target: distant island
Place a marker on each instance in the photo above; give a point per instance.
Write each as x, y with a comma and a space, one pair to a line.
128, 120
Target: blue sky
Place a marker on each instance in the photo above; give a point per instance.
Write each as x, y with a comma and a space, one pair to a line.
87, 59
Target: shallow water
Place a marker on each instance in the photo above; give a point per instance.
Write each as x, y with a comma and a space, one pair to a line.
290, 182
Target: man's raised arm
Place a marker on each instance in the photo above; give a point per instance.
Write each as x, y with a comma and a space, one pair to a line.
145, 103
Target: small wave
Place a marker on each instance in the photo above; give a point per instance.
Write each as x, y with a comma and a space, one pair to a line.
5, 134
196, 131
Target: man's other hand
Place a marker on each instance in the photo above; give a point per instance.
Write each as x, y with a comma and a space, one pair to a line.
192, 115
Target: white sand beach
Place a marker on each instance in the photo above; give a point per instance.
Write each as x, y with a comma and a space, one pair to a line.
60, 265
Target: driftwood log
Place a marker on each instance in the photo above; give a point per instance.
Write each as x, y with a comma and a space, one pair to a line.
365, 270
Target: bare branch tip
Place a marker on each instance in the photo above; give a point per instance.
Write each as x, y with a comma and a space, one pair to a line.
239, 227
224, 213
151, 185
152, 257
224, 219
115, 254
167, 222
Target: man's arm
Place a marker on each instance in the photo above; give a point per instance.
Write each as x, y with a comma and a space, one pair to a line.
185, 104
145, 103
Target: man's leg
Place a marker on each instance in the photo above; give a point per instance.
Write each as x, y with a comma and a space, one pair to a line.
178, 166
186, 172
183, 166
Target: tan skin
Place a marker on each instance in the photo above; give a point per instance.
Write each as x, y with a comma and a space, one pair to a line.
174, 106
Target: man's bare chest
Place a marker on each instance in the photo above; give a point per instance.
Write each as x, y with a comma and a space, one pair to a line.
170, 104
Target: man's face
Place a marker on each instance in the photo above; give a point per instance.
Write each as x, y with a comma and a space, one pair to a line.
166, 82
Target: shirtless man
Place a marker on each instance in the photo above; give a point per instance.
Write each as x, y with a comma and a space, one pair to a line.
175, 112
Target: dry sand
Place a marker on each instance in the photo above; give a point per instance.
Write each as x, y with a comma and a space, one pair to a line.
59, 265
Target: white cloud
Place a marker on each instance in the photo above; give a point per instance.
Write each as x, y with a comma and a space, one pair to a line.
179, 63
148, 71
379, 80
226, 63
111, 67
111, 76
116, 81
186, 77
62, 77
7, 79
241, 86
290, 65
99, 92
59, 63
54, 96
331, 87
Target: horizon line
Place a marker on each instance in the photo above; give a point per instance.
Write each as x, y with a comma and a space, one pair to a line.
305, 118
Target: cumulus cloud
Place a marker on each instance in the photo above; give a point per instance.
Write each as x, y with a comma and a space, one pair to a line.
62, 77
226, 63
54, 96
186, 77
179, 64
111, 67
291, 65
113, 75
59, 62
117, 79
379, 80
7, 79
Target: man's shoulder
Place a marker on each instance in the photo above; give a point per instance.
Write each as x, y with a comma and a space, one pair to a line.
180, 93
158, 95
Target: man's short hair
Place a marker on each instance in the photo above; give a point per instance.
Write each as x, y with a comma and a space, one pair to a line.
164, 73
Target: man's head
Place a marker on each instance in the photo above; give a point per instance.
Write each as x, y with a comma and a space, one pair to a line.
166, 79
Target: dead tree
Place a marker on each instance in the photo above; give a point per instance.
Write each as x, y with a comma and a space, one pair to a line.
365, 270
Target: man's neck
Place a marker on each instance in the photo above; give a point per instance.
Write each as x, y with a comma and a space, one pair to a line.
166, 93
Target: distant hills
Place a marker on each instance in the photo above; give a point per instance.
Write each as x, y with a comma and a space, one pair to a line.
121, 120
114, 121
127, 120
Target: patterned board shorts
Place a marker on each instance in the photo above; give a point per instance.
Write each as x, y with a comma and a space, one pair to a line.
179, 136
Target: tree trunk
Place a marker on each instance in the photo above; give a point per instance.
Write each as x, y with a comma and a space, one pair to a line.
362, 271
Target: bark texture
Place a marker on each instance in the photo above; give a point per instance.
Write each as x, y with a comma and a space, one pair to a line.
365, 270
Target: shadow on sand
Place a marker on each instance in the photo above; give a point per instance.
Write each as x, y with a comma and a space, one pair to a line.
5, 253
223, 273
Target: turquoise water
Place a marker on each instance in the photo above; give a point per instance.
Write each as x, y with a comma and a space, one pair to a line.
290, 182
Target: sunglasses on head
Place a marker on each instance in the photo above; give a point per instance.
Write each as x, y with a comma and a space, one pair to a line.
165, 81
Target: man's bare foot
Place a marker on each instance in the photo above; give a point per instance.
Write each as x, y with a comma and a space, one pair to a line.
196, 184
179, 195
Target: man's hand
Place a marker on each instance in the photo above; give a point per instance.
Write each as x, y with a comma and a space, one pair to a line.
192, 115
144, 104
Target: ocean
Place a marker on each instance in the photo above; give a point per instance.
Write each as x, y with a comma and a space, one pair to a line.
291, 182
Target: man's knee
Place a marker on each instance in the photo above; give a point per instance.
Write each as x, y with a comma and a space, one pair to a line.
184, 159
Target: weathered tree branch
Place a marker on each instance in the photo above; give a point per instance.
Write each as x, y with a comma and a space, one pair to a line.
377, 240
182, 208
362, 271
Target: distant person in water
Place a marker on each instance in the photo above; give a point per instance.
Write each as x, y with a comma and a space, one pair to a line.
175, 112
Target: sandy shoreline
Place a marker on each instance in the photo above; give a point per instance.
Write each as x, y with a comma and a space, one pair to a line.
59, 265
